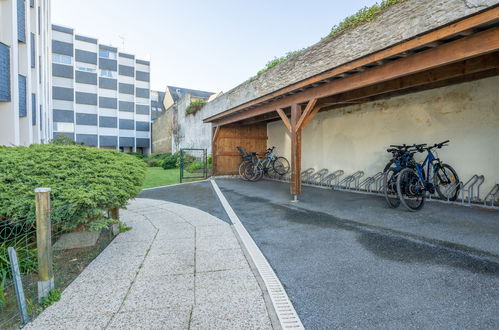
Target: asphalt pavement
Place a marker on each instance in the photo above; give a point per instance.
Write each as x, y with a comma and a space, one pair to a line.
347, 261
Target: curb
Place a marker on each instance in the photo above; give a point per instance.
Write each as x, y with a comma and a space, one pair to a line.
282, 306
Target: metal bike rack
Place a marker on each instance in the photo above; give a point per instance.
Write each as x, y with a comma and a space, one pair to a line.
317, 177
346, 183
481, 180
306, 175
367, 183
469, 191
469, 186
492, 196
331, 179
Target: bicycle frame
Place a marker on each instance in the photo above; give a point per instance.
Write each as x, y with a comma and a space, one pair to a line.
263, 164
429, 164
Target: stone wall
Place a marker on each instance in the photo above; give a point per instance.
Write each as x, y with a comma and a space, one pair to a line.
161, 132
356, 137
398, 23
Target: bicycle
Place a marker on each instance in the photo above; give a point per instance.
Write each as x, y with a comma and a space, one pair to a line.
255, 169
402, 156
247, 158
413, 183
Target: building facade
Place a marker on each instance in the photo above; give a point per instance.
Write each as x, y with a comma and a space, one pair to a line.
24, 72
101, 96
157, 106
170, 127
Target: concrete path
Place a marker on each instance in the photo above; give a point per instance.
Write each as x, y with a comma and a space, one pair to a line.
178, 268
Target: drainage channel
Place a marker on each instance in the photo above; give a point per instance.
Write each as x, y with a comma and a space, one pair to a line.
283, 307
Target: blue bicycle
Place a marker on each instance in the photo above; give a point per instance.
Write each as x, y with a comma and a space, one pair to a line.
255, 169
402, 157
431, 176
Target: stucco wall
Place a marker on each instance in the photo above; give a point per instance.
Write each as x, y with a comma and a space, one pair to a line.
161, 132
191, 131
399, 22
356, 137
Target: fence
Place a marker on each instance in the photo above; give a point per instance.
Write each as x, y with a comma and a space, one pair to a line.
193, 164
469, 191
44, 265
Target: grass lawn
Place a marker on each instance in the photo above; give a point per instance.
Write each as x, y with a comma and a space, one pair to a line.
157, 176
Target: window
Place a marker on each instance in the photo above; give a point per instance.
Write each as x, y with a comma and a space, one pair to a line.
33, 109
4, 73
33, 51
63, 127
107, 54
22, 96
107, 74
21, 21
62, 59
86, 69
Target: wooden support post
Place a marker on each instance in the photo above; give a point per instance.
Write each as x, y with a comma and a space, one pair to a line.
295, 151
214, 156
115, 215
44, 242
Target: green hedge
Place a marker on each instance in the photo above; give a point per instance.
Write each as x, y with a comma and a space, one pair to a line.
85, 182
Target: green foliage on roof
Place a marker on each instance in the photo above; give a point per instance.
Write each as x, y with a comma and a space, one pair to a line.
277, 60
194, 106
364, 15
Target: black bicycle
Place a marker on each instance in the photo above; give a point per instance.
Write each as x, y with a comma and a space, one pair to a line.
431, 176
402, 157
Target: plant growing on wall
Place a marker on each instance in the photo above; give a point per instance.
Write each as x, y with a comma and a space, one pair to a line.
194, 106
277, 60
364, 15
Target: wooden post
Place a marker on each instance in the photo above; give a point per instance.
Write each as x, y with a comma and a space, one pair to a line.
295, 151
44, 242
115, 215
214, 157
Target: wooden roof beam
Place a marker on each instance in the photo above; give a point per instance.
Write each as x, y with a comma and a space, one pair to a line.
475, 45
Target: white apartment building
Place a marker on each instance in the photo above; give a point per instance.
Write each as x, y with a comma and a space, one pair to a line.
101, 96
25, 72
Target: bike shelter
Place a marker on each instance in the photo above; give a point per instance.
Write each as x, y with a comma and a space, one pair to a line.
463, 51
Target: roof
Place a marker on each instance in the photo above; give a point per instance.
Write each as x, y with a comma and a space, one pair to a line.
177, 92
159, 102
340, 56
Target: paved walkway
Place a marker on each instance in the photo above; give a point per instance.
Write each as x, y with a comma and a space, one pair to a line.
178, 267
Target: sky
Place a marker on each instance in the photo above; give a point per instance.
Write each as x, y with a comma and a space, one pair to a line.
209, 45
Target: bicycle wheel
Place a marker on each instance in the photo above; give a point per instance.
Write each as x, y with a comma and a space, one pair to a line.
252, 172
390, 187
281, 165
446, 182
249, 171
387, 167
410, 190
241, 170
270, 172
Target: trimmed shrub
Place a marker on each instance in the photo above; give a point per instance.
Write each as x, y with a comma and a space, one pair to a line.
136, 154
63, 140
158, 159
85, 182
195, 165
170, 161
